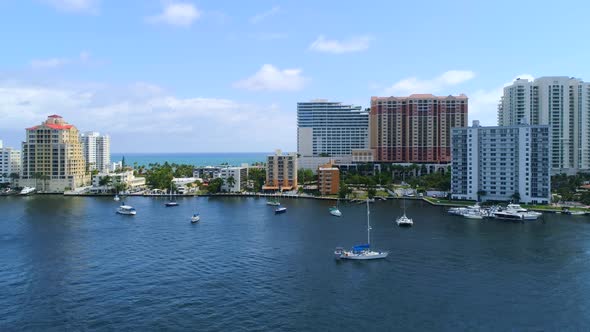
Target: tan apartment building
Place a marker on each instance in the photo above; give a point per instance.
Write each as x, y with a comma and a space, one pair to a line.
415, 129
52, 158
328, 179
281, 172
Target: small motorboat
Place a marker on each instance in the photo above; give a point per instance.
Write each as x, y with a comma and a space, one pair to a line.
126, 210
573, 213
280, 210
116, 198
335, 211
195, 218
171, 204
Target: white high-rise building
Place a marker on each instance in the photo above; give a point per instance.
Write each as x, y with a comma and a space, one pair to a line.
331, 129
97, 151
501, 163
10, 162
561, 102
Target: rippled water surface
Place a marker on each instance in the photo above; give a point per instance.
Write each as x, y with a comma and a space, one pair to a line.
72, 263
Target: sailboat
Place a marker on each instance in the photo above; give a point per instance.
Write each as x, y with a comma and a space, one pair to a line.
195, 218
273, 202
116, 198
362, 251
404, 221
335, 211
172, 202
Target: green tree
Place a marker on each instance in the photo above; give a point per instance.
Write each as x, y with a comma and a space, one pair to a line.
215, 185
371, 192
105, 181
344, 190
13, 177
258, 177
516, 197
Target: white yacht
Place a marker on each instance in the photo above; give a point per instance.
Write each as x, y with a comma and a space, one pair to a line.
363, 251
27, 190
126, 210
520, 209
195, 218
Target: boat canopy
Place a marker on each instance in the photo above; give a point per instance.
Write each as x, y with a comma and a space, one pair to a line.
360, 247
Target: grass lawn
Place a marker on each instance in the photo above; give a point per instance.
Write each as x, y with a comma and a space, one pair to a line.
448, 202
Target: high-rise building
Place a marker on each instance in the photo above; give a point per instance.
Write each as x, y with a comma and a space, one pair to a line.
415, 129
10, 161
561, 102
501, 163
281, 171
331, 129
97, 151
52, 159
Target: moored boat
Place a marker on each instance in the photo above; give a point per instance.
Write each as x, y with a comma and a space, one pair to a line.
363, 251
27, 191
273, 202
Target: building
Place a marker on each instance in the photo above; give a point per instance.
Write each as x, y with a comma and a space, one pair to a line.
501, 163
10, 161
330, 129
52, 158
132, 183
239, 176
313, 163
328, 179
206, 172
363, 155
97, 151
281, 172
415, 129
561, 102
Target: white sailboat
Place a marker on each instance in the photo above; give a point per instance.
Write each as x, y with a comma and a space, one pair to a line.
335, 211
195, 218
363, 251
116, 198
172, 202
404, 221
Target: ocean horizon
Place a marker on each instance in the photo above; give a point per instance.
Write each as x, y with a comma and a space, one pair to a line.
191, 158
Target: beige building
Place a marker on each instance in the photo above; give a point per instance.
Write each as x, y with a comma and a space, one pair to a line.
131, 182
52, 159
328, 179
281, 172
363, 155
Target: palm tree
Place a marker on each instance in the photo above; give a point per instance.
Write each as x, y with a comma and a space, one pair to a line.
230, 182
14, 176
105, 181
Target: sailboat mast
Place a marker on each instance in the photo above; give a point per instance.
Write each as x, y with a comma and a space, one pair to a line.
368, 224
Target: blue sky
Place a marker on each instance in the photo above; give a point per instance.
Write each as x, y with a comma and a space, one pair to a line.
204, 76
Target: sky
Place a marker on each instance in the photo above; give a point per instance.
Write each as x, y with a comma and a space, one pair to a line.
226, 76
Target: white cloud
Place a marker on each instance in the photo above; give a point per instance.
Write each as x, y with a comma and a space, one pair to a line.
483, 104
270, 78
181, 14
264, 15
145, 117
52, 63
81, 6
354, 44
414, 85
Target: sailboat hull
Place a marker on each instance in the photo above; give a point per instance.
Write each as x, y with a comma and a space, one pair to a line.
171, 204
364, 256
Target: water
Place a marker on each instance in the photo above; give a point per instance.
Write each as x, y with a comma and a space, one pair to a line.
197, 159
73, 264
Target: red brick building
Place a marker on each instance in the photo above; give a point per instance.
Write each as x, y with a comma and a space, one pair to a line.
415, 129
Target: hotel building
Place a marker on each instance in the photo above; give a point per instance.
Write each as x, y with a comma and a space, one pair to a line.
10, 161
330, 129
561, 102
52, 159
97, 151
496, 163
281, 172
415, 129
